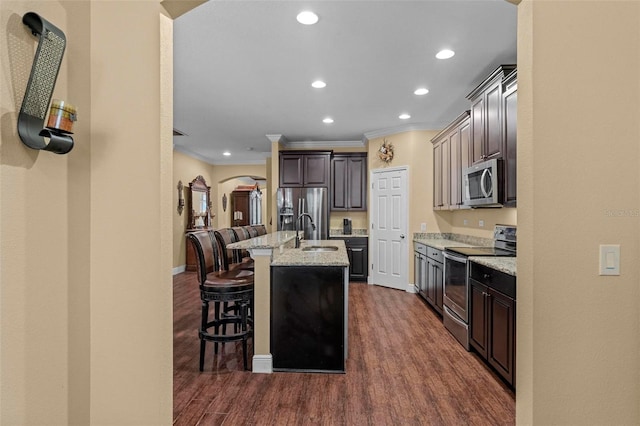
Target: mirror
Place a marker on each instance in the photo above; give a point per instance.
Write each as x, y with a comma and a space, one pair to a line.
199, 204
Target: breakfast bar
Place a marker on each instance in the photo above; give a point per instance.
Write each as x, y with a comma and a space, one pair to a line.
301, 303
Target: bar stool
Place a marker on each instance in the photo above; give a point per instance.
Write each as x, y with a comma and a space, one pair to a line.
221, 286
241, 235
262, 230
231, 259
253, 232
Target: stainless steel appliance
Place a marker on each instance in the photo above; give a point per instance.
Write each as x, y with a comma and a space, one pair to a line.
456, 279
483, 184
292, 202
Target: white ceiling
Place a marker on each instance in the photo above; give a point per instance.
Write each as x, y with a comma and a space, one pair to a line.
243, 70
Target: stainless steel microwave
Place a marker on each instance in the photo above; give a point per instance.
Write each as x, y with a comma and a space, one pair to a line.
483, 184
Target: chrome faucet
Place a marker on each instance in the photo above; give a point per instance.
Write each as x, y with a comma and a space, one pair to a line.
298, 221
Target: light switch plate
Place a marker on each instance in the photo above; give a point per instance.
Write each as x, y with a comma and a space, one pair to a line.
609, 259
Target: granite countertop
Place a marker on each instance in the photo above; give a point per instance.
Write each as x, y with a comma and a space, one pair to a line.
355, 232
508, 265
267, 241
440, 243
287, 256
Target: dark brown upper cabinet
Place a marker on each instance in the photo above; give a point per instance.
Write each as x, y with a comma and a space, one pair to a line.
487, 140
451, 153
349, 182
304, 169
510, 109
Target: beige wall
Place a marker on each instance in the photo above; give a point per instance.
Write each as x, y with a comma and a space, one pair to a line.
102, 287
414, 149
221, 179
85, 273
578, 342
186, 169
226, 179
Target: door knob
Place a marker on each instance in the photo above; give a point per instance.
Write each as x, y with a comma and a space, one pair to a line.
402, 236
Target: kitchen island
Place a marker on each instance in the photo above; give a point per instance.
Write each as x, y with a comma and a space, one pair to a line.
276, 250
309, 307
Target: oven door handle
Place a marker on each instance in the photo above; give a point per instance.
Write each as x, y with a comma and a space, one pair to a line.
454, 257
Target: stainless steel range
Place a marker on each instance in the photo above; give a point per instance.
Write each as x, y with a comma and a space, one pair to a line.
456, 281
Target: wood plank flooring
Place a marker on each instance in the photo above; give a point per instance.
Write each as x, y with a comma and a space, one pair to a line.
404, 368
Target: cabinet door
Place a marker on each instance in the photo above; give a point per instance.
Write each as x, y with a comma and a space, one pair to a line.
240, 203
501, 345
291, 170
316, 170
455, 171
437, 176
493, 121
446, 174
465, 157
358, 263
357, 183
432, 279
417, 272
510, 109
479, 317
477, 130
339, 183
439, 285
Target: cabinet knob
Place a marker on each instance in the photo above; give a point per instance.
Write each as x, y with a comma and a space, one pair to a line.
486, 276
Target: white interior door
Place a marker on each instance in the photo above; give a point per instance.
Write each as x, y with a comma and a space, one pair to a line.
389, 217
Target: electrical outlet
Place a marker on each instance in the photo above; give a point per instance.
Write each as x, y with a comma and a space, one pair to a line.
465, 222
423, 227
481, 223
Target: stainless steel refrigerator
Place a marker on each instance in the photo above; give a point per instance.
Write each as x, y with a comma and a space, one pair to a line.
294, 201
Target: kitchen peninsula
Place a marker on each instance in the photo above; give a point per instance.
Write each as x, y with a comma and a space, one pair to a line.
301, 303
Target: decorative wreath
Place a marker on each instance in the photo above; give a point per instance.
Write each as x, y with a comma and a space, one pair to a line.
385, 153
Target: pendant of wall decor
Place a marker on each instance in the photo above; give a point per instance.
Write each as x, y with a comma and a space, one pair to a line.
224, 202
385, 152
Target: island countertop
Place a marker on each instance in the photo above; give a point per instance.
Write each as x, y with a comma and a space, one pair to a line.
267, 241
298, 257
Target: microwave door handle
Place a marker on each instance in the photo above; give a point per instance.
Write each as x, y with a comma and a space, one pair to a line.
482, 185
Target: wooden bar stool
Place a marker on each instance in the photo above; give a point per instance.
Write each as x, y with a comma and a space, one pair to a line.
253, 232
261, 229
221, 287
231, 259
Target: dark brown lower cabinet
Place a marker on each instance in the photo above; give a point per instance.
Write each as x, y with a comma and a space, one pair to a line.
358, 252
493, 319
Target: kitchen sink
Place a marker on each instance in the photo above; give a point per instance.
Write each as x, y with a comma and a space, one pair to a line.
320, 248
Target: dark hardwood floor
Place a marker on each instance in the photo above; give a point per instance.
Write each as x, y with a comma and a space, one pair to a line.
404, 368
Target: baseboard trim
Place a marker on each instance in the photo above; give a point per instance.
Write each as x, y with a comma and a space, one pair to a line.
179, 269
411, 288
263, 364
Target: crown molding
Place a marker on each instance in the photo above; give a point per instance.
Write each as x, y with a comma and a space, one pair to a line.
227, 162
277, 138
324, 144
400, 129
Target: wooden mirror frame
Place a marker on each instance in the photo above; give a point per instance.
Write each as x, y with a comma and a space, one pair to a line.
199, 185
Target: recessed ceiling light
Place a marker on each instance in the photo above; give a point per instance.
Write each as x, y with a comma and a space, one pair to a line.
404, 116
445, 54
319, 84
226, 153
307, 17
328, 120
421, 91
